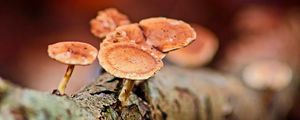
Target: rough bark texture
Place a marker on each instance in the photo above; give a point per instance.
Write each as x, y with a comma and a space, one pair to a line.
172, 94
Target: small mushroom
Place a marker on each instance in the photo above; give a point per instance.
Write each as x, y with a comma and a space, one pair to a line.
133, 31
71, 53
129, 61
267, 75
125, 33
115, 37
199, 53
124, 53
167, 34
107, 21
130, 33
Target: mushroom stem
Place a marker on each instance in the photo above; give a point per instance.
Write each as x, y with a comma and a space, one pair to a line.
267, 97
125, 92
63, 84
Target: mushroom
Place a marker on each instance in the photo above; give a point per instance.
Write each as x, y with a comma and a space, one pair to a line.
130, 33
257, 19
133, 31
71, 53
107, 21
126, 33
129, 61
199, 53
267, 75
167, 34
125, 53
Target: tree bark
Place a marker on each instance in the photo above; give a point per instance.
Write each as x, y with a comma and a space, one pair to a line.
172, 94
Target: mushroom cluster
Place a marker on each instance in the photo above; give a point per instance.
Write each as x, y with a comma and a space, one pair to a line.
128, 51
135, 51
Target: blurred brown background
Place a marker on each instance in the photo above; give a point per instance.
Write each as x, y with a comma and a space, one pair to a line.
247, 30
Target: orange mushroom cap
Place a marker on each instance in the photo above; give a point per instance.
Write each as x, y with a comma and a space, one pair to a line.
107, 21
125, 33
118, 17
167, 34
155, 52
130, 33
198, 53
133, 31
73, 53
115, 37
129, 60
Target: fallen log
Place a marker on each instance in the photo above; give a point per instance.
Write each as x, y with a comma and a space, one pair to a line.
173, 94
